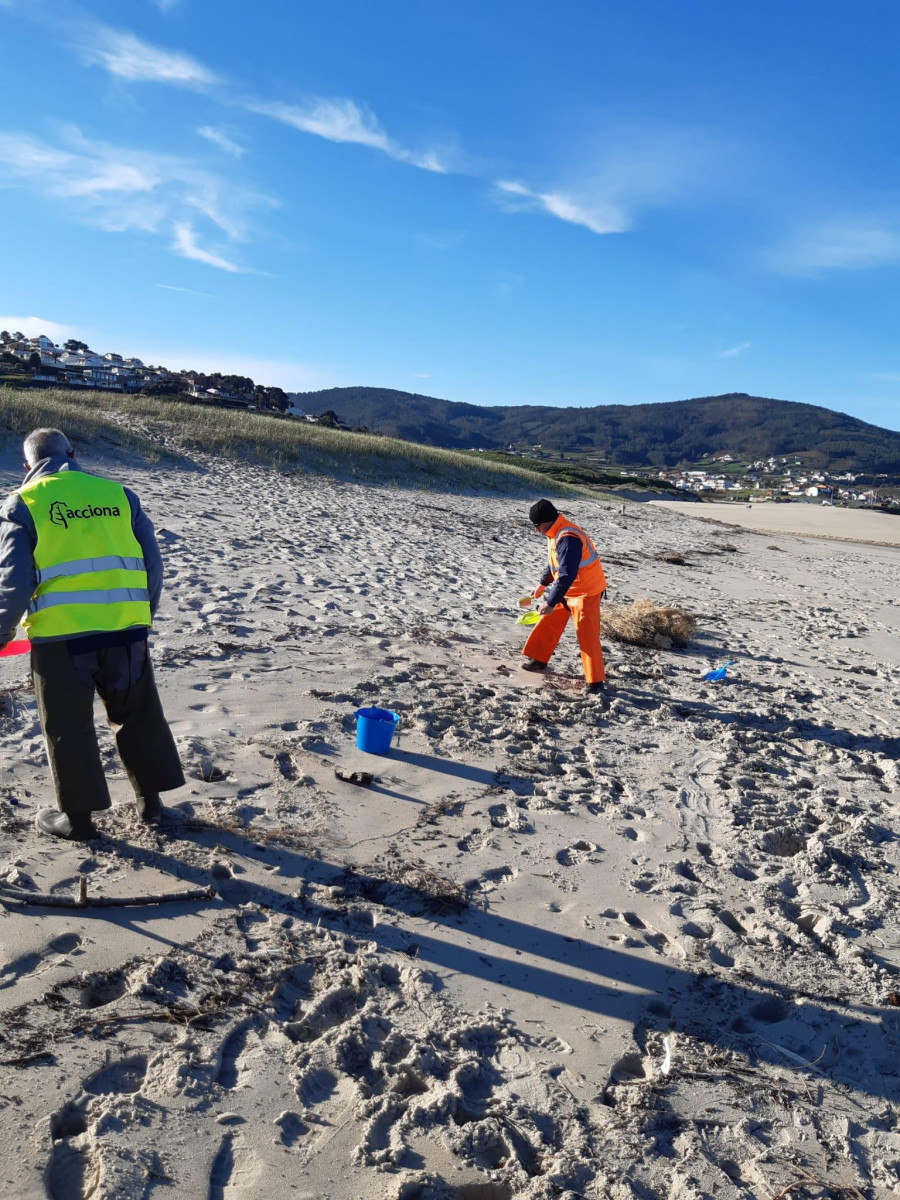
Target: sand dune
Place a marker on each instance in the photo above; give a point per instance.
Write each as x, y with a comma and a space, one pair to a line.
557, 949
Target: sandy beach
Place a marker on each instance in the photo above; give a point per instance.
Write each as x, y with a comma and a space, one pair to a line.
555, 949
811, 520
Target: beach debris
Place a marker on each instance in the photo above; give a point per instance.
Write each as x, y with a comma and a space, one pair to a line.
643, 623
796, 1058
666, 1065
409, 884
673, 557
718, 673
19, 898
360, 778
210, 773
13, 875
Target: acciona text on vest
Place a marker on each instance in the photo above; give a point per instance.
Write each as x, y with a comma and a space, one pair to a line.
61, 514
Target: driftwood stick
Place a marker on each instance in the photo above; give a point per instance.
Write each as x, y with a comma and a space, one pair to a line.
22, 899
25, 1059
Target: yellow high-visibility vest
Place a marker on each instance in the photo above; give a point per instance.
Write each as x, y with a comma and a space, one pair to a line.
90, 566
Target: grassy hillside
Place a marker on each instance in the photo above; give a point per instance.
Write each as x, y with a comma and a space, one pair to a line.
161, 429
640, 435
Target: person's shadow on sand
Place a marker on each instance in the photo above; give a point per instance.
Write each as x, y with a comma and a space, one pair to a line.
571, 971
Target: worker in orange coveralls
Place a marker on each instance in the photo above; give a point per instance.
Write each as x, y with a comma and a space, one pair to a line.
572, 586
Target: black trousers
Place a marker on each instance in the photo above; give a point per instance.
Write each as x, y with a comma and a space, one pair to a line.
65, 681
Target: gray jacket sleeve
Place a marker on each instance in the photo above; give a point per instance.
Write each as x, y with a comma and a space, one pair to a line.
18, 578
142, 528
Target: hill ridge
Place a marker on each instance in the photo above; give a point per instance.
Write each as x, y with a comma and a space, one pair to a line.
658, 434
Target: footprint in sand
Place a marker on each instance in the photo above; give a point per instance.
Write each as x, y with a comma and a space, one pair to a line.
97, 990
556, 1045
232, 1050
579, 852
292, 1128
73, 1170
490, 880
26, 964
122, 1078
222, 1183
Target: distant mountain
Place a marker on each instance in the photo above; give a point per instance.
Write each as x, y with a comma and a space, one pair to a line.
639, 435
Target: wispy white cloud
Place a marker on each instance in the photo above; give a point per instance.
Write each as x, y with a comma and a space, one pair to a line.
734, 351
129, 58
840, 244
336, 120
343, 120
186, 245
635, 169
220, 138
171, 287
33, 326
165, 5
598, 216
119, 189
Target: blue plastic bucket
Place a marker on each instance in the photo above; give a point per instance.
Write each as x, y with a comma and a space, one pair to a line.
375, 729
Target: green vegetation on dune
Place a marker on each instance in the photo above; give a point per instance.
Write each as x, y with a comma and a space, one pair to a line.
574, 474
157, 427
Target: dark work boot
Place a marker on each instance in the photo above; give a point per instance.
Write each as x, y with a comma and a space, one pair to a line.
595, 689
75, 828
532, 664
150, 808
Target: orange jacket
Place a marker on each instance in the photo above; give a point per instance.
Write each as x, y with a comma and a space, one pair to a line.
590, 580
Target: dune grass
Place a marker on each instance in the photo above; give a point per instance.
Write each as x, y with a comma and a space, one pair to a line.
161, 428
80, 417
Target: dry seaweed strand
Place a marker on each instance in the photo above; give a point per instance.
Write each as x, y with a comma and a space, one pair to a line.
643, 623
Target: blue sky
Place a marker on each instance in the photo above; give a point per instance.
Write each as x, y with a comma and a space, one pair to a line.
503, 203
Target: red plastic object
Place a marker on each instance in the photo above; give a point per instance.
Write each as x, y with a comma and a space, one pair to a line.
13, 648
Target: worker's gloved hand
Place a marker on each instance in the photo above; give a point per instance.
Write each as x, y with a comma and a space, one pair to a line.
543, 608
538, 591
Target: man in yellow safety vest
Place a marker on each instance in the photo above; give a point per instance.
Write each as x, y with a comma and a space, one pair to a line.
78, 556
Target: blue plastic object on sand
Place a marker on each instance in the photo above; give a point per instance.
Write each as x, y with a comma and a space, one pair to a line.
718, 673
375, 729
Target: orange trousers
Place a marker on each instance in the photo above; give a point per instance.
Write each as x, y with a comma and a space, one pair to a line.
585, 612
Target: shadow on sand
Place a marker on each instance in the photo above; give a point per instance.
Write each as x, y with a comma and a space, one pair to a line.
753, 1015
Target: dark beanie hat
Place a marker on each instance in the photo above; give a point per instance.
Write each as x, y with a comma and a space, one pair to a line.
541, 511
